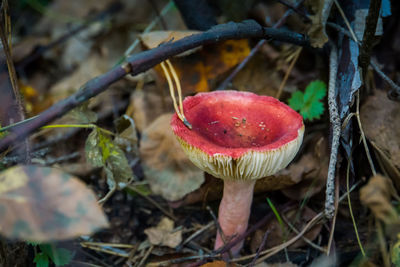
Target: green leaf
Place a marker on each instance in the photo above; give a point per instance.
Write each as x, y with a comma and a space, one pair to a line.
60, 256
395, 257
309, 104
316, 90
41, 260
101, 151
297, 100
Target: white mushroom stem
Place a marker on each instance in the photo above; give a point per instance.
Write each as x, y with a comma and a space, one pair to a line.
234, 211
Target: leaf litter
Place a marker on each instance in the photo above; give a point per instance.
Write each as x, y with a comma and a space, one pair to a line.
136, 149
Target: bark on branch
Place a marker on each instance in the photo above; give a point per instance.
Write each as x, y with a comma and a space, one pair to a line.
145, 60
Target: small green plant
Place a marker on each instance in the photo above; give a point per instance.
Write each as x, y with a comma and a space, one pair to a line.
309, 103
45, 252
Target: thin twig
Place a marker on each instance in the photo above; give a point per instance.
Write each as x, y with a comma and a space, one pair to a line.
152, 202
195, 234
272, 251
154, 22
364, 140
255, 49
296, 9
357, 114
382, 243
346, 21
148, 59
289, 70
260, 248
113, 8
308, 241
276, 249
333, 221
148, 252
393, 94
336, 128
351, 209
371, 21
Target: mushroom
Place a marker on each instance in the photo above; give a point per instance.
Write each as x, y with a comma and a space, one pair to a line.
239, 137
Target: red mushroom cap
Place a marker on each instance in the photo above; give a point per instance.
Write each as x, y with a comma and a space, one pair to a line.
239, 135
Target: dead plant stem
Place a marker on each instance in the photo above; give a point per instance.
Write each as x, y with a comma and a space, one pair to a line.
336, 129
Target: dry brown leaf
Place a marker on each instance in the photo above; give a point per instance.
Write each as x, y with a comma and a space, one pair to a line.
218, 264
258, 76
317, 34
148, 104
169, 172
163, 234
45, 204
380, 117
276, 236
309, 172
376, 195
198, 70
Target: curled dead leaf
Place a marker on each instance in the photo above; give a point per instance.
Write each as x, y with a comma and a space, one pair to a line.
376, 195
163, 234
169, 172
381, 127
321, 8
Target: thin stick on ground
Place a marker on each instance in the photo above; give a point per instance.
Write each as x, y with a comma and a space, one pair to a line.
289, 70
308, 241
260, 248
152, 202
336, 129
195, 234
351, 209
395, 92
333, 220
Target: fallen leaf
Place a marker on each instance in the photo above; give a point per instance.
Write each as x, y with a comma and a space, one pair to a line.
167, 168
218, 264
127, 137
148, 104
395, 252
376, 195
317, 34
259, 76
309, 171
163, 234
276, 235
380, 117
101, 151
45, 204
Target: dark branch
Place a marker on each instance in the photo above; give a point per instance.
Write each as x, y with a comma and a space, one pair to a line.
369, 35
146, 60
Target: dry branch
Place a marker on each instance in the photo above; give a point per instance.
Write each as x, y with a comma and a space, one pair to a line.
146, 60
